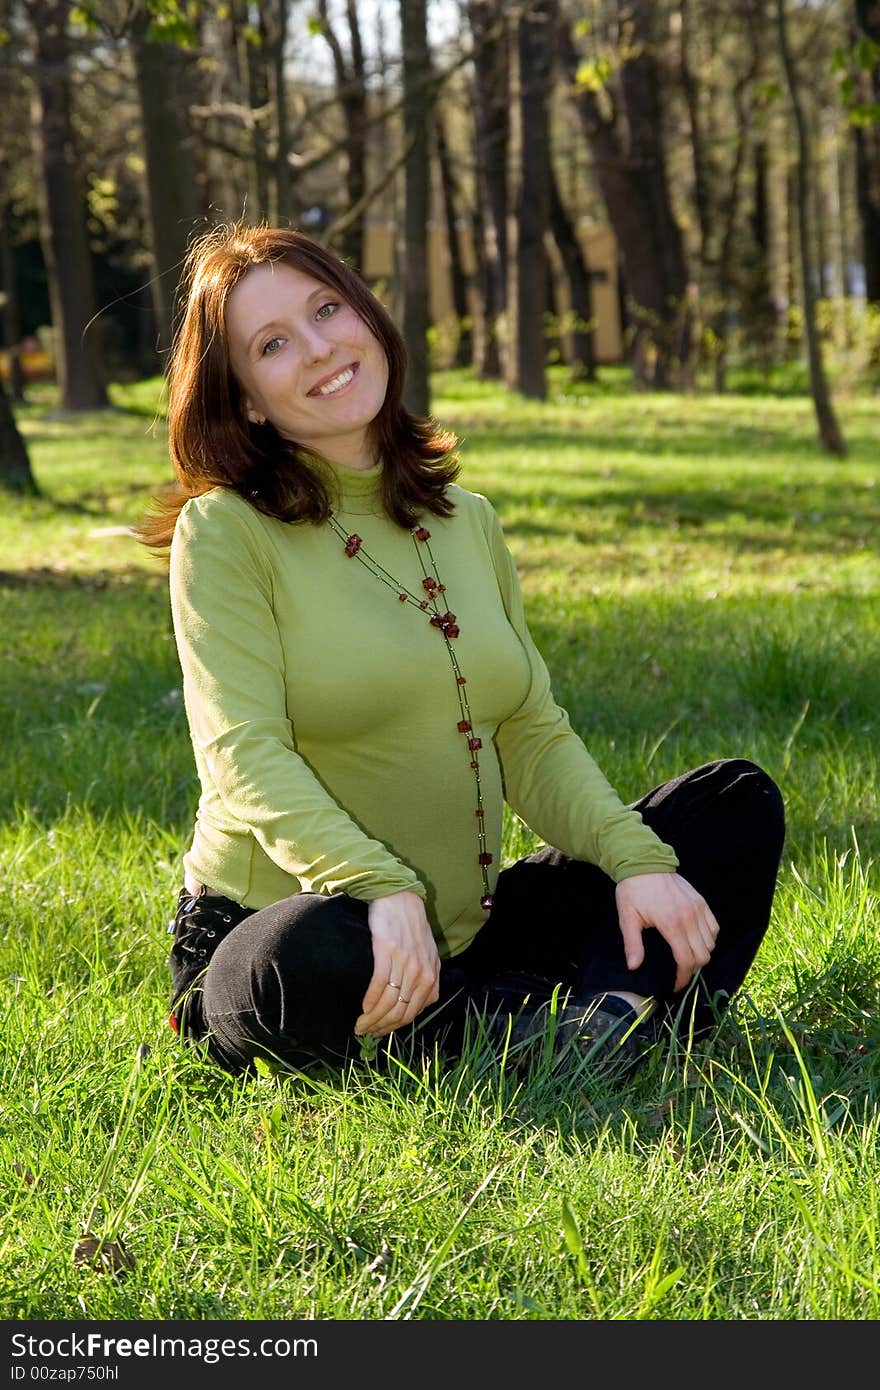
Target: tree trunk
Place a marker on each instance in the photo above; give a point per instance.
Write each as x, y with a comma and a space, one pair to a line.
15, 466
867, 185
867, 146
253, 82
730, 218
819, 209
829, 431
758, 301
487, 359
351, 87
11, 315
580, 334
275, 14
533, 37
492, 116
633, 184
172, 201
62, 214
457, 276
414, 257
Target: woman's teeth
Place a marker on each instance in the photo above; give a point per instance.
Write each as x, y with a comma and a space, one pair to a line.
337, 383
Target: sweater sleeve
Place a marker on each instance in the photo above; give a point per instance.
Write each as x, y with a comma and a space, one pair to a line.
550, 779
233, 665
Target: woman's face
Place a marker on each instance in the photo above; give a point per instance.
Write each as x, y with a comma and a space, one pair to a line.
306, 362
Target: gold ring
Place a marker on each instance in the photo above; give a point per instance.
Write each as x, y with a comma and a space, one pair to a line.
402, 999
392, 984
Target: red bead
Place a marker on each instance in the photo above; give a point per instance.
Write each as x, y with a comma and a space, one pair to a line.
475, 765
462, 680
486, 902
452, 631
475, 743
429, 584
464, 726
353, 545
402, 597
480, 812
485, 858
422, 534
424, 604
441, 588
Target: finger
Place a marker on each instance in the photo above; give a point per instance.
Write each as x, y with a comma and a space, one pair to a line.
409, 1003
373, 1019
392, 1019
633, 946
382, 972
709, 928
685, 964
701, 944
414, 999
701, 932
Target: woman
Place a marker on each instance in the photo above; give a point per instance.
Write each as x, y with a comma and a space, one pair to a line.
363, 695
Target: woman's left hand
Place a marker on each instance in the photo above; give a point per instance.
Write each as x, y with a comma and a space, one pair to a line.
680, 914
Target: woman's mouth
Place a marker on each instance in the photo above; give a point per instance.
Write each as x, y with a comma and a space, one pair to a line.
336, 384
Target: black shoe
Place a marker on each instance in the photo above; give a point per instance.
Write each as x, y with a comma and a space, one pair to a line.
201, 922
602, 1030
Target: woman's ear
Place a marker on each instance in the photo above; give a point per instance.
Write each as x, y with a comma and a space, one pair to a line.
254, 417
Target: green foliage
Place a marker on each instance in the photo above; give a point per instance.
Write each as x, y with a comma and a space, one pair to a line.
84, 17
850, 64
849, 330
173, 22
594, 73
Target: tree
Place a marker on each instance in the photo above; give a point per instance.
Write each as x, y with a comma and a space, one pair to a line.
865, 117
533, 40
458, 278
414, 258
15, 465
9, 291
246, 50
579, 334
351, 89
829, 430
163, 74
277, 31
617, 97
490, 102
62, 213
721, 88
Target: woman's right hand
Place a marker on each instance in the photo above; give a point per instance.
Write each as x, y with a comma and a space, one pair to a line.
406, 970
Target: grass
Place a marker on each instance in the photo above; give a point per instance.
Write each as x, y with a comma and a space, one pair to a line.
703, 582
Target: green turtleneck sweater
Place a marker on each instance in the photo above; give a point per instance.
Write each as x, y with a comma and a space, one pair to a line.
324, 712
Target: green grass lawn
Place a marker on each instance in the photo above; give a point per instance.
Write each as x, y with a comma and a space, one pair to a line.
703, 582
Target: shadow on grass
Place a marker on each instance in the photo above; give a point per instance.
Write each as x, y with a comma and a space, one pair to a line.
714, 442
61, 577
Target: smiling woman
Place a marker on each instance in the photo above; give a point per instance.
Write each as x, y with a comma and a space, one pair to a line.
363, 696
306, 362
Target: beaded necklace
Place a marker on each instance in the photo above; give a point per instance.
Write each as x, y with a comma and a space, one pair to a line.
448, 628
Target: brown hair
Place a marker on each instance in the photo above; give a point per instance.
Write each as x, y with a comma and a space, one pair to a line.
211, 441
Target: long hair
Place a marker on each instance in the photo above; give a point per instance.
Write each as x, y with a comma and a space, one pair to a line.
213, 444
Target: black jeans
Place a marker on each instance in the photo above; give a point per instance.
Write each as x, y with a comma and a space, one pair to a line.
289, 980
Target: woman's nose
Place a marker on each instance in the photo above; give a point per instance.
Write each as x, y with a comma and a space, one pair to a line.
314, 343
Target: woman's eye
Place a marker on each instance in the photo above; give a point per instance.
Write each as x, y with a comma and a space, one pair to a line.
271, 347
326, 310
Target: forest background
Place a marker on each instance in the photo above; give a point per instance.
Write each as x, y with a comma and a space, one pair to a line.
729, 153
